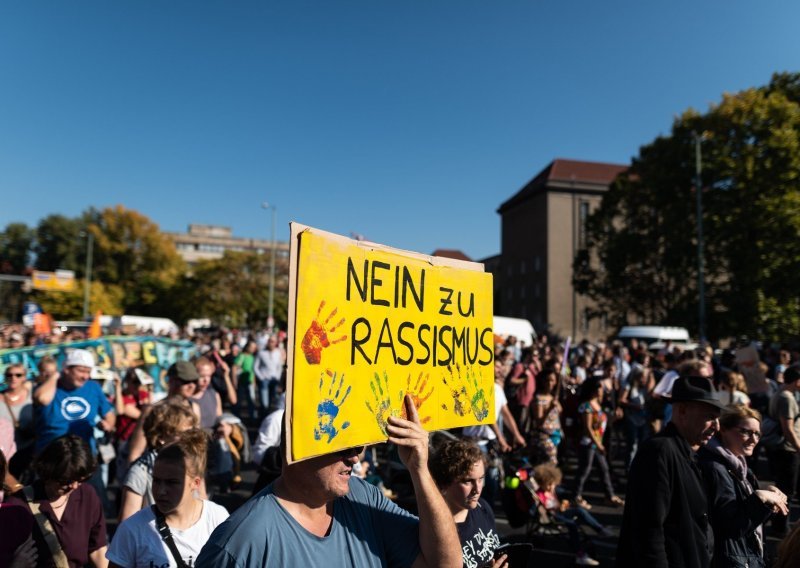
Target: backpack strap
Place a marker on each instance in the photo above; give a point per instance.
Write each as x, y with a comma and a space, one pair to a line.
46, 528
166, 536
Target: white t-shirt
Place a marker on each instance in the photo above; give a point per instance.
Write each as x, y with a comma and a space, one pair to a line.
138, 544
484, 432
664, 386
269, 435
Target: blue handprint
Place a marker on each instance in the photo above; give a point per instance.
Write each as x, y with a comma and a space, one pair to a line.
328, 408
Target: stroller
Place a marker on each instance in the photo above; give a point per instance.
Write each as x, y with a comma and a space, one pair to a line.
523, 507
521, 504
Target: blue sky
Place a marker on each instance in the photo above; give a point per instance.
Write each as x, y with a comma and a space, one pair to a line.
408, 122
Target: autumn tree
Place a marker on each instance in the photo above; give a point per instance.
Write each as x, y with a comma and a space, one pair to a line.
640, 262
130, 251
68, 305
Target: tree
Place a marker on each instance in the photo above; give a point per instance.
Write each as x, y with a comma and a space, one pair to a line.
131, 252
641, 257
15, 248
233, 290
68, 305
59, 243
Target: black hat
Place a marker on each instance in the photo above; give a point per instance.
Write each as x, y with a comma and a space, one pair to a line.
694, 389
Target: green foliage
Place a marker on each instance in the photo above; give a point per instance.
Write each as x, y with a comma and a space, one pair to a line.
107, 298
234, 290
640, 263
59, 243
15, 248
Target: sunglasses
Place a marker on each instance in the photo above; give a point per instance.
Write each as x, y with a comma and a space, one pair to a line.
17, 375
350, 452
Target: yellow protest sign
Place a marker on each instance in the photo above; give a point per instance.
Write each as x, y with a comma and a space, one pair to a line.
369, 324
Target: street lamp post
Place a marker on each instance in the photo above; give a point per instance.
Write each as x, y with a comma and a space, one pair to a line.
274, 250
701, 287
87, 278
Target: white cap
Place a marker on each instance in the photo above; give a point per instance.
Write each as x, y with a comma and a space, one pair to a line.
79, 358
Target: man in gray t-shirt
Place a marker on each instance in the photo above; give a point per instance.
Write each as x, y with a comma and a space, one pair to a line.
784, 460
317, 514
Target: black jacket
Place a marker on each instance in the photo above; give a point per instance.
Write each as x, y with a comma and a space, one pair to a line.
665, 523
735, 513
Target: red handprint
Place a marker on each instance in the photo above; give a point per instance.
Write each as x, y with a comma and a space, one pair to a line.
316, 338
417, 396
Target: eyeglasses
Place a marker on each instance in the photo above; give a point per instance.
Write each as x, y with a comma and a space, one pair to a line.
750, 433
17, 375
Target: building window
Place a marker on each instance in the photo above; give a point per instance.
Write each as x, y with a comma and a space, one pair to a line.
509, 269
583, 215
523, 267
537, 291
510, 293
522, 292
537, 263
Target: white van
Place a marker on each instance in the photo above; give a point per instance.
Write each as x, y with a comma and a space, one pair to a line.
522, 329
656, 336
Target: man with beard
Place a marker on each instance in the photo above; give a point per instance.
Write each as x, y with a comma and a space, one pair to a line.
665, 522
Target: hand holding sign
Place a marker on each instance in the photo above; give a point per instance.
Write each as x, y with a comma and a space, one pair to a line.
410, 438
316, 337
328, 409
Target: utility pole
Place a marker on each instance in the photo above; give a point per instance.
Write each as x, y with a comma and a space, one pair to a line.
701, 287
273, 252
87, 278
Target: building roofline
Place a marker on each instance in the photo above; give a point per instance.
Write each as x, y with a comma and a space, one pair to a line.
573, 176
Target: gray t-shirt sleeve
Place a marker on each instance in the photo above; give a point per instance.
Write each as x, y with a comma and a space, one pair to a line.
139, 480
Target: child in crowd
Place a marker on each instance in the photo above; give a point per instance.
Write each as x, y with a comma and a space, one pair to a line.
547, 477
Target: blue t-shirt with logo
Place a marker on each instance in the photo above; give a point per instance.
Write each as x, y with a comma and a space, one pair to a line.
71, 412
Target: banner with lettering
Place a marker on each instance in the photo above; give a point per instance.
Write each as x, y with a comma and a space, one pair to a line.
370, 324
153, 355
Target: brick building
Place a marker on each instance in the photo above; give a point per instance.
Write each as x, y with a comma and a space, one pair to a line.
542, 229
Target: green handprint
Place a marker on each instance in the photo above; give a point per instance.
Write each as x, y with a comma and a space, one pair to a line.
466, 392
383, 402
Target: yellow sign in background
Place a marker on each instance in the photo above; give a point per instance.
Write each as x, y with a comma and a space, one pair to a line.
372, 324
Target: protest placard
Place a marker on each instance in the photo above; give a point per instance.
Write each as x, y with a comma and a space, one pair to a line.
369, 324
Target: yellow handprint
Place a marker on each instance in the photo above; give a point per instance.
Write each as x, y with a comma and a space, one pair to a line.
466, 392
383, 402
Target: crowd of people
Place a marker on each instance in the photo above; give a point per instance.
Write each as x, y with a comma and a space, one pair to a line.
683, 428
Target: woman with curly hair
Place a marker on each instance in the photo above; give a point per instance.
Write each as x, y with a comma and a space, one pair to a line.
459, 470
161, 426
